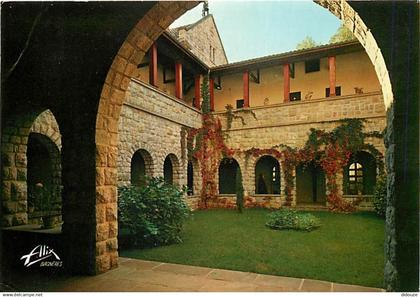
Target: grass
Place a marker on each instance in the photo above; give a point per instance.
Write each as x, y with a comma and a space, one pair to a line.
347, 248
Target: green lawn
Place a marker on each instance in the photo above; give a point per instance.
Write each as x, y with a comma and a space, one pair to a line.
346, 249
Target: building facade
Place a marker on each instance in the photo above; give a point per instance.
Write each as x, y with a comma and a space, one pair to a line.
279, 98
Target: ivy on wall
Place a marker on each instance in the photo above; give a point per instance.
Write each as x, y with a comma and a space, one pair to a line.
331, 151
231, 115
207, 145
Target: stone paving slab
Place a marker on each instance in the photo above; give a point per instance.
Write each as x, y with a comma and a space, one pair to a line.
183, 269
140, 264
148, 276
213, 285
289, 283
353, 288
230, 275
310, 285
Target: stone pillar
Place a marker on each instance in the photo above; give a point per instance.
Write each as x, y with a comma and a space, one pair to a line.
294, 201
282, 185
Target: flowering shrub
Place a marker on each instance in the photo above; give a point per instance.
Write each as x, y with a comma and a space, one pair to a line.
291, 219
154, 214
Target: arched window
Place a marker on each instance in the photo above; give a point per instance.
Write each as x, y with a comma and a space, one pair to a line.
171, 170
168, 174
190, 179
355, 183
227, 176
267, 176
138, 169
360, 174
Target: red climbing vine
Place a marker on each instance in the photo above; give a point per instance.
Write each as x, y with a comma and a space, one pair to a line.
330, 150
207, 145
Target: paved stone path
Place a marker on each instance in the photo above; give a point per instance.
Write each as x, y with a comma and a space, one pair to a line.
146, 276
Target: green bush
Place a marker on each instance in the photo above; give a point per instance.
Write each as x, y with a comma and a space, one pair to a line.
153, 215
291, 219
379, 197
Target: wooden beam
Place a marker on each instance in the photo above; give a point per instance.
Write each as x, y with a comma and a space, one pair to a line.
211, 89
197, 91
245, 78
331, 63
153, 66
286, 83
178, 80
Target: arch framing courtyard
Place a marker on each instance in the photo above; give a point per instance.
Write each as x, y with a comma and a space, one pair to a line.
88, 107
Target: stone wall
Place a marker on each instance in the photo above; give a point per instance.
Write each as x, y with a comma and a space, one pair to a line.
203, 40
154, 122
290, 123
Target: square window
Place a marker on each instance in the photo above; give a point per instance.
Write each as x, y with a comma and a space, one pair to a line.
240, 103
295, 96
312, 65
337, 91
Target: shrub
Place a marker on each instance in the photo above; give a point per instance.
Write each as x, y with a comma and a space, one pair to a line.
379, 197
154, 214
291, 219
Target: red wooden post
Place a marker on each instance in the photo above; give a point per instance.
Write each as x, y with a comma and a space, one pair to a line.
197, 91
211, 89
331, 63
245, 78
286, 82
178, 80
153, 67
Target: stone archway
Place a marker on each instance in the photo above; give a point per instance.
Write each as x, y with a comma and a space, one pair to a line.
43, 167
172, 170
355, 24
267, 175
141, 167
14, 161
124, 66
227, 176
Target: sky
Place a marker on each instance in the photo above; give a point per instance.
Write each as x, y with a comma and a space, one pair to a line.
251, 29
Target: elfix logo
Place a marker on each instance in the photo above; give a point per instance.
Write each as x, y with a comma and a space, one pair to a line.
39, 253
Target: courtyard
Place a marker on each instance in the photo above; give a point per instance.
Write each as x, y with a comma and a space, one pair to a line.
347, 248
